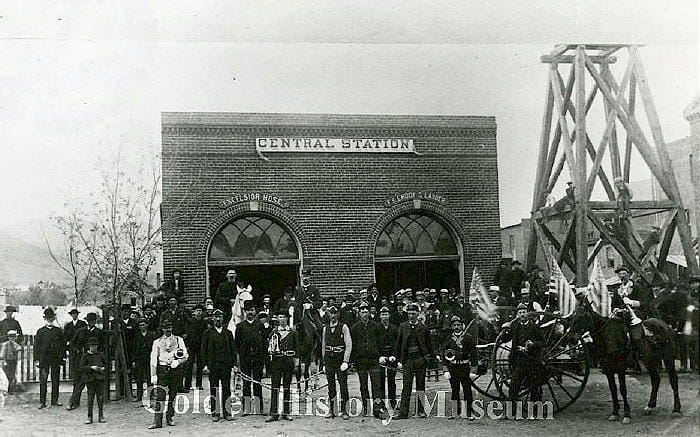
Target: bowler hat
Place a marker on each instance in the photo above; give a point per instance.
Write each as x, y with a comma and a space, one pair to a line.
49, 313
74, 311
10, 309
91, 316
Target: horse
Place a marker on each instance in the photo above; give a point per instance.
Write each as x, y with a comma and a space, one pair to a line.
308, 330
237, 313
609, 336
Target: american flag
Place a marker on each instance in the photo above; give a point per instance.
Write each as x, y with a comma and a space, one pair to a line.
480, 298
561, 287
597, 292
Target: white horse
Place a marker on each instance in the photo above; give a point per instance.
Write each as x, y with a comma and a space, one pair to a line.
237, 313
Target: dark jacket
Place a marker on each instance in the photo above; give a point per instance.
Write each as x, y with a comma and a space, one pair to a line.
251, 341
80, 339
195, 332
223, 298
179, 319
219, 350
387, 339
89, 375
365, 343
69, 330
401, 346
169, 287
143, 344
464, 350
7, 325
49, 346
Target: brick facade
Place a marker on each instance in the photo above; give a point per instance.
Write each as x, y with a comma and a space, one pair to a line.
335, 202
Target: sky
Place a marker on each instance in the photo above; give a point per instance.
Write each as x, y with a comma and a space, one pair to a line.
84, 80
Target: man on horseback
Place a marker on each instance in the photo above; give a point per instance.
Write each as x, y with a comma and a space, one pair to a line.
637, 298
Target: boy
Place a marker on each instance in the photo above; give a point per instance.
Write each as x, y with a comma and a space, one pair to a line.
9, 350
92, 372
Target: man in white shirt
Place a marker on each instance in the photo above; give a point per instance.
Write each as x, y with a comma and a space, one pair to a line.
168, 355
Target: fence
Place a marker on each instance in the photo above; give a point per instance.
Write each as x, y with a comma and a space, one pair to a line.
27, 371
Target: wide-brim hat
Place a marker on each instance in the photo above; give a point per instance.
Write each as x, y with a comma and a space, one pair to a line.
74, 311
10, 309
49, 313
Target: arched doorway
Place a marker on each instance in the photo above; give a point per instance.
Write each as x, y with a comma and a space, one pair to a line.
417, 250
264, 253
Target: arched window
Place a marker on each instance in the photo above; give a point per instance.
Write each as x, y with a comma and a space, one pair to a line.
415, 235
253, 238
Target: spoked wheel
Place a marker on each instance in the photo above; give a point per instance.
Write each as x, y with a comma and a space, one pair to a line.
560, 369
484, 383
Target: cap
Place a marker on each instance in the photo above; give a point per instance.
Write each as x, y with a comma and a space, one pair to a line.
412, 307
419, 292
456, 319
74, 311
217, 312
622, 269
11, 332
126, 306
230, 272
282, 313
199, 306
144, 321
262, 314
332, 309
166, 324
248, 305
384, 310
266, 296
494, 288
521, 306
444, 290
91, 316
171, 297
364, 305
515, 262
306, 271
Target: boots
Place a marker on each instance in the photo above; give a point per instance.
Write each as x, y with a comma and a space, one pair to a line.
344, 407
331, 411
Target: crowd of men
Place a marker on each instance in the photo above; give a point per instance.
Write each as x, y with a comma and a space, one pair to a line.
169, 345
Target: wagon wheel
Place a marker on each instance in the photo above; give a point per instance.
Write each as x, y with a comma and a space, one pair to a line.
485, 384
563, 363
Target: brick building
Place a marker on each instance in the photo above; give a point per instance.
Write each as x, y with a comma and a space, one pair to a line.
403, 201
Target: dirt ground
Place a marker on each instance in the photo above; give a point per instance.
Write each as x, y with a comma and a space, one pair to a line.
588, 416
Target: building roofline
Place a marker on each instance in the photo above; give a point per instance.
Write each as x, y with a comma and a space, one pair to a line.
326, 120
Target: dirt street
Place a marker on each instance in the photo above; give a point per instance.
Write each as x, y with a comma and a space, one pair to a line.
588, 416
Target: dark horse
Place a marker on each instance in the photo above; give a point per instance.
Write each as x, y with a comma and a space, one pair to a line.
611, 344
308, 328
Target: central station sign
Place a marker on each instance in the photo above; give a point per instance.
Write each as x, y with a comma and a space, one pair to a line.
335, 145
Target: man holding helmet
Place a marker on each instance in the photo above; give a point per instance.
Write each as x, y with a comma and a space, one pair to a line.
167, 356
458, 350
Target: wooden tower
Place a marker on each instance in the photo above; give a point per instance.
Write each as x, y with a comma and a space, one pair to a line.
568, 106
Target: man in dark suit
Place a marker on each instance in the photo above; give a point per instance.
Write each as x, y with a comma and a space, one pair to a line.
219, 355
413, 350
69, 330
251, 345
79, 344
516, 277
175, 285
365, 354
141, 356
195, 330
49, 355
388, 333
225, 294
10, 324
176, 317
